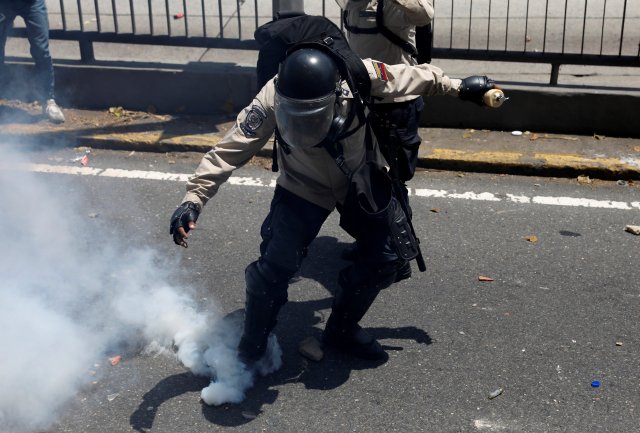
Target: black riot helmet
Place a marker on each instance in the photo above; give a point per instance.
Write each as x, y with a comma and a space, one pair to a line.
307, 87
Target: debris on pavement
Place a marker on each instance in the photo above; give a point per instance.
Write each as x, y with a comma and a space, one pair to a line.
619, 343
532, 238
178, 15
494, 394
634, 230
117, 111
517, 133
482, 278
84, 160
584, 180
112, 397
114, 360
310, 348
595, 384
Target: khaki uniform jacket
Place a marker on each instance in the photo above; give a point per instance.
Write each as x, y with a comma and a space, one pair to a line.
401, 17
311, 174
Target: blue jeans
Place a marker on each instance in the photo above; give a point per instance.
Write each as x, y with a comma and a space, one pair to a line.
34, 13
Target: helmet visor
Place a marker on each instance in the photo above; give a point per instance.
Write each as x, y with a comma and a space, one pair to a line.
304, 123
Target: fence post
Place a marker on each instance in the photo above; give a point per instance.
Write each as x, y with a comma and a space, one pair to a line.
86, 50
555, 72
287, 5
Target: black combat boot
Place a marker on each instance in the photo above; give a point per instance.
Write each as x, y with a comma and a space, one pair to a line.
265, 297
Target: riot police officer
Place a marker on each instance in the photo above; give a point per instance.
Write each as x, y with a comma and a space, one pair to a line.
304, 101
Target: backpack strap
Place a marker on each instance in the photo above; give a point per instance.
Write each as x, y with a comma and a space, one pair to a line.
382, 29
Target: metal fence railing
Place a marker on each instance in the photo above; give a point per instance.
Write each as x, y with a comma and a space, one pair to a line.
556, 32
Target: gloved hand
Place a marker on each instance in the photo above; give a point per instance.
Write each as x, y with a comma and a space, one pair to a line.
183, 219
474, 87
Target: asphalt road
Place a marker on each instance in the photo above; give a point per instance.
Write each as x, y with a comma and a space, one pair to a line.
560, 312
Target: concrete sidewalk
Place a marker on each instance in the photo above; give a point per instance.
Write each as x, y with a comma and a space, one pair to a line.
494, 151
588, 100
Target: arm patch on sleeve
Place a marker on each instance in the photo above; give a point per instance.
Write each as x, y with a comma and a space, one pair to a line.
380, 70
253, 121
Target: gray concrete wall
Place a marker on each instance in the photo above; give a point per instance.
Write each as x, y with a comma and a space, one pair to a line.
226, 88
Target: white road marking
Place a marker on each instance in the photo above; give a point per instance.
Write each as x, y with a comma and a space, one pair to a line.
270, 183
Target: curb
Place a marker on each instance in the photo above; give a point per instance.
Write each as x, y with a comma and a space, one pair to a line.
510, 161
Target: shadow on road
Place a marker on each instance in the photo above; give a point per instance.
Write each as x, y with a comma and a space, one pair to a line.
297, 320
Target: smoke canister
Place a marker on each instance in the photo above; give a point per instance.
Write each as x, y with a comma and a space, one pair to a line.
494, 98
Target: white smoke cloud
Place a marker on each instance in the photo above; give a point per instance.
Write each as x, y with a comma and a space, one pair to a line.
69, 294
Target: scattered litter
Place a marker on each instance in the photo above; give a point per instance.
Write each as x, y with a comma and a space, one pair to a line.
481, 278
115, 359
117, 111
249, 415
93, 215
516, 132
534, 137
133, 152
634, 230
599, 137
467, 135
112, 397
584, 179
310, 348
595, 384
84, 160
619, 343
178, 15
494, 394
435, 210
532, 238
622, 182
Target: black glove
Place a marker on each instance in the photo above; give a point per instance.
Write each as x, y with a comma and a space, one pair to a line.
474, 87
187, 212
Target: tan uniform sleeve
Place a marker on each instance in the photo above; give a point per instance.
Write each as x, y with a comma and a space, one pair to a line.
417, 12
398, 80
253, 128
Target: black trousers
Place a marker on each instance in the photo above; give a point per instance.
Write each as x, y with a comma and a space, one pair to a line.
287, 231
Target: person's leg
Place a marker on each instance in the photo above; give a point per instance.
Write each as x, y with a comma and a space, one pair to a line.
37, 25
287, 231
375, 268
7, 16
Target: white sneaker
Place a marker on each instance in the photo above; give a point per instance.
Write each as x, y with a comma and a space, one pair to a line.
53, 112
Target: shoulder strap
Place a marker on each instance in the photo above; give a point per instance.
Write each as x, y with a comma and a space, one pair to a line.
395, 39
380, 28
336, 150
